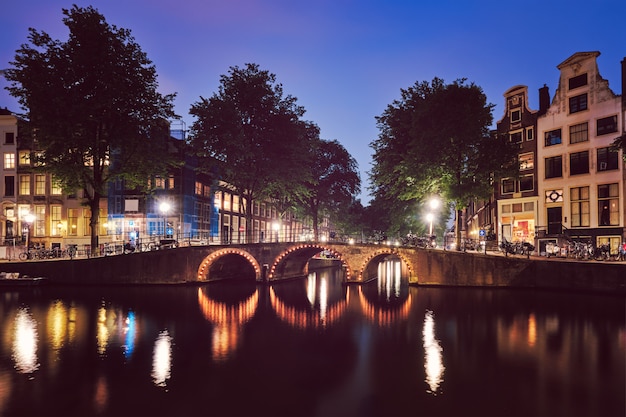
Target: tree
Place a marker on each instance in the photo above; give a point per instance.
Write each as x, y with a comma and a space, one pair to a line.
436, 140
254, 135
93, 110
334, 181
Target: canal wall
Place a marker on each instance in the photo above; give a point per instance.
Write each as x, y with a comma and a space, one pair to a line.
431, 268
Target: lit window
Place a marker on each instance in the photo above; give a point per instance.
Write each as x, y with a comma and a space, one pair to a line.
580, 205
526, 161
608, 205
40, 184
24, 157
9, 160
55, 188
24, 184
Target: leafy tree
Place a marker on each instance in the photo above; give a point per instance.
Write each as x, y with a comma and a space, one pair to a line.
334, 182
254, 135
92, 105
436, 140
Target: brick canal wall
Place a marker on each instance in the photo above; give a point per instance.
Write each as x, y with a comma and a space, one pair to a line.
432, 267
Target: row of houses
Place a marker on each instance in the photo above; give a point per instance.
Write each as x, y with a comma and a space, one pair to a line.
571, 181
188, 206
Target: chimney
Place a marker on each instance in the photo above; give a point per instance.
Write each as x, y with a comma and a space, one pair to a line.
624, 83
544, 100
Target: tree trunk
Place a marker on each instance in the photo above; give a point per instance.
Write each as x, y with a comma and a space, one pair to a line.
458, 225
94, 221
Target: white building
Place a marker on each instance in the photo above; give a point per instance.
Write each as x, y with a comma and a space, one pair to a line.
581, 181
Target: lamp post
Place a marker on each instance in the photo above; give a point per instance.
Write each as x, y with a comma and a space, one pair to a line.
276, 227
429, 218
433, 203
164, 207
29, 219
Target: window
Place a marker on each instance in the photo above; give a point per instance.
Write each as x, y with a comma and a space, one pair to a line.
608, 160
40, 220
553, 137
554, 167
516, 116
530, 134
526, 161
86, 222
508, 186
578, 103
159, 183
526, 183
578, 81
227, 201
9, 138
606, 125
24, 184
516, 137
579, 197
72, 222
608, 205
24, 157
198, 188
55, 187
9, 186
170, 182
56, 227
578, 133
579, 163
9, 160
40, 184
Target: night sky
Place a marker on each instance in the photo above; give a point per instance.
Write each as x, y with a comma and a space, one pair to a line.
346, 61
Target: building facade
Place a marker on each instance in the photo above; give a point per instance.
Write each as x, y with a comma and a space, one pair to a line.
581, 178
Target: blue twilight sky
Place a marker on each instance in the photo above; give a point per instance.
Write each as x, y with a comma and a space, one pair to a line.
346, 60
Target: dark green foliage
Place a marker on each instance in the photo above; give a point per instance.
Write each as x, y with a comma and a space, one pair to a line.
92, 101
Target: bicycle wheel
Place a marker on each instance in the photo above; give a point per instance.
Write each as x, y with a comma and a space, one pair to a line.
23, 256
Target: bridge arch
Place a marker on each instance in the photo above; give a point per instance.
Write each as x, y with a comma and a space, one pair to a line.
205, 266
293, 261
369, 266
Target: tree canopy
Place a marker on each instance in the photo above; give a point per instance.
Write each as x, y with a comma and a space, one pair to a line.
254, 134
92, 106
436, 140
334, 181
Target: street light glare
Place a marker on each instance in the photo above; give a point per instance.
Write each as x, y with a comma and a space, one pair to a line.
434, 203
164, 207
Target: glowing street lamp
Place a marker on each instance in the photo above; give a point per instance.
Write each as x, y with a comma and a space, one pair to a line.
429, 218
29, 219
164, 207
276, 227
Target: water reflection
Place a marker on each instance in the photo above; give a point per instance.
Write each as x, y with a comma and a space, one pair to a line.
326, 300
228, 318
433, 354
162, 359
25, 339
391, 300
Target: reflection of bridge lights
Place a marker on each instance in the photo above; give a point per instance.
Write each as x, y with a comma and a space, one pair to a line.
25, 342
384, 316
130, 330
308, 319
385, 252
102, 333
57, 324
228, 320
532, 330
162, 359
433, 356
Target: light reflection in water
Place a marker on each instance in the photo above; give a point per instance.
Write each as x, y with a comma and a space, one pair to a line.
390, 278
162, 359
25, 342
102, 333
433, 354
130, 331
57, 324
228, 321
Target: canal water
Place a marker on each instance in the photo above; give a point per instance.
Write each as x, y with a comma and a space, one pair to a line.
310, 347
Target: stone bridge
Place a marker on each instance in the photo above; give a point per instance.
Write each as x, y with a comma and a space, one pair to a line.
275, 261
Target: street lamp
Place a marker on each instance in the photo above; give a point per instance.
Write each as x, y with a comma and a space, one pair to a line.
276, 227
164, 207
429, 218
29, 219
